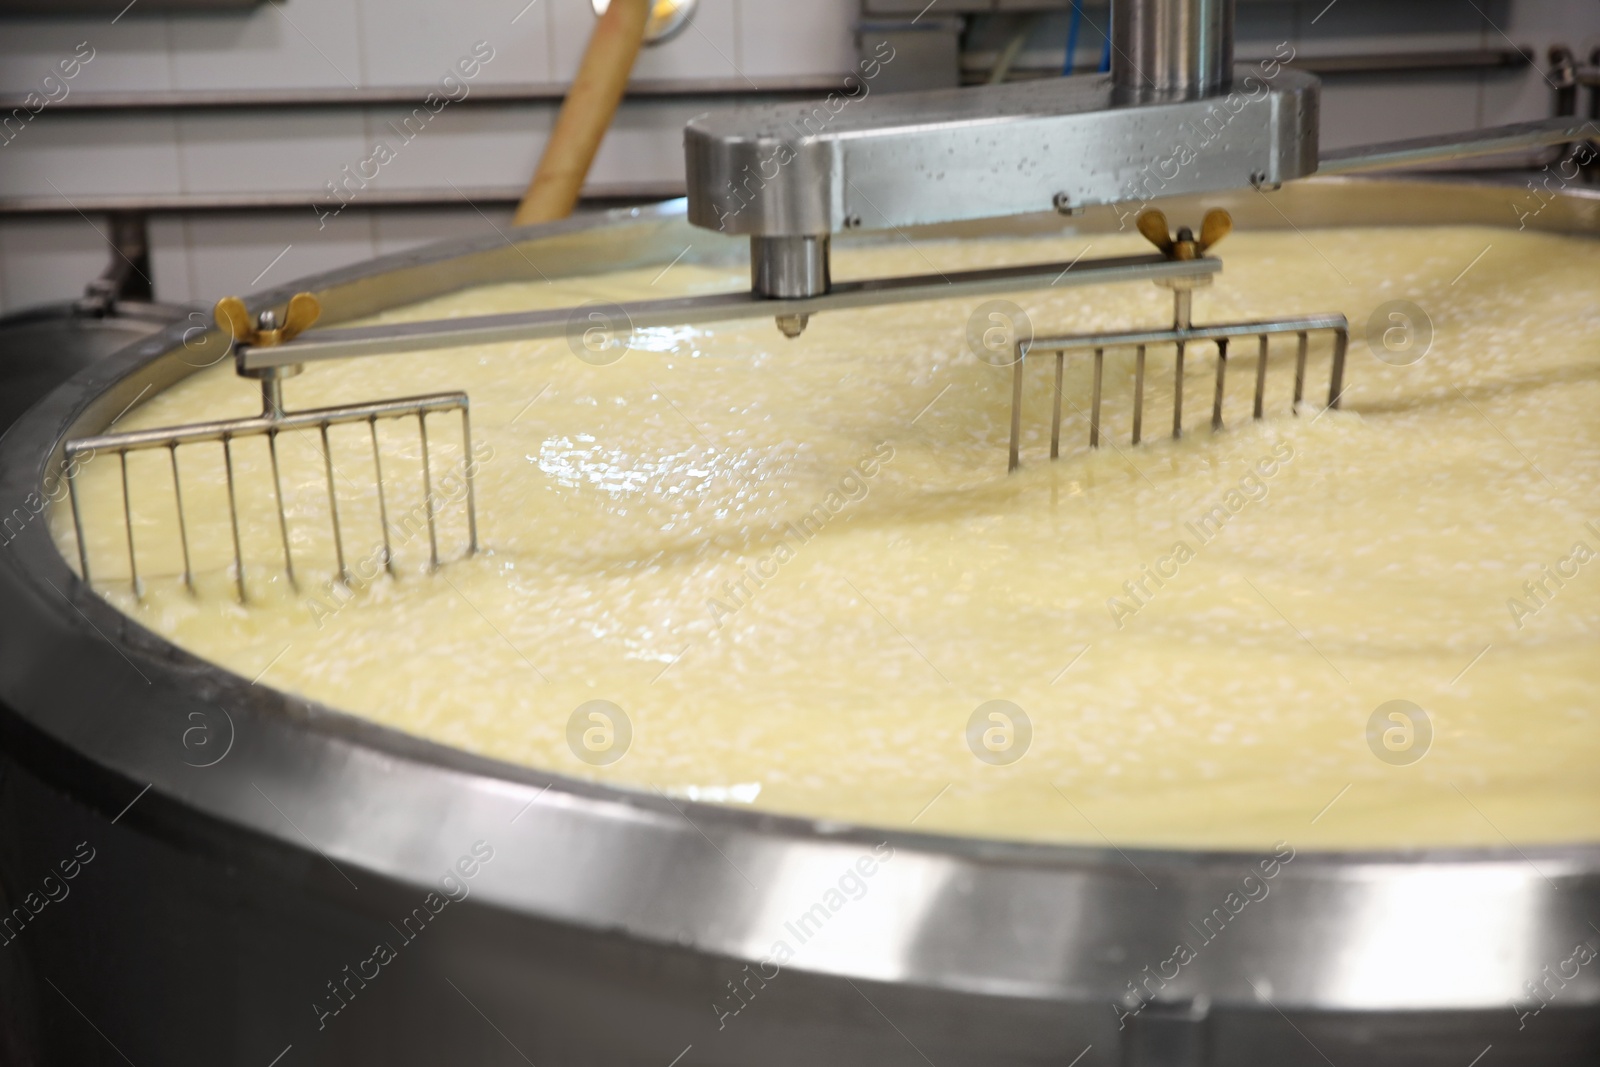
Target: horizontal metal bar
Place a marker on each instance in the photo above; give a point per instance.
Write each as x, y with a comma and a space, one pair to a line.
1469, 144
721, 307
464, 197
1168, 335
166, 436
1416, 62
413, 95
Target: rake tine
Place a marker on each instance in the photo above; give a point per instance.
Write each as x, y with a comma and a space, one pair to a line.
1177, 395
1138, 394
1055, 407
466, 470
1094, 413
333, 506
183, 527
283, 514
383, 507
1261, 379
1341, 341
427, 494
1222, 370
127, 517
233, 514
1013, 460
1300, 370
77, 524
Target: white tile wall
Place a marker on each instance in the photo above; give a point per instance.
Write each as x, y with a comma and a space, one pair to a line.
790, 39
50, 259
476, 146
74, 154
300, 44
244, 253
133, 54
396, 231
417, 46
267, 151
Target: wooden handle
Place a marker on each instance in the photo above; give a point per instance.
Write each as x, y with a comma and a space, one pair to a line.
586, 114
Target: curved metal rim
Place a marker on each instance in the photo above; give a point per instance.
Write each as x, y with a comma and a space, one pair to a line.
343, 768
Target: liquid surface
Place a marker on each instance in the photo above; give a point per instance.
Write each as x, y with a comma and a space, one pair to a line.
800, 568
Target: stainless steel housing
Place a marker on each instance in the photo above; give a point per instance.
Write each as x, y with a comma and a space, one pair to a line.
925, 158
243, 872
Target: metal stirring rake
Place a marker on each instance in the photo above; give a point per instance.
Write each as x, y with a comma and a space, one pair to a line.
303, 310
1182, 334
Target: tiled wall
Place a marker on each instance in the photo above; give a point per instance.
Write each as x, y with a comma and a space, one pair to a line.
339, 44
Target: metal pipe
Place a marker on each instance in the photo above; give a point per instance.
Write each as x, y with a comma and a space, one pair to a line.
1171, 49
789, 268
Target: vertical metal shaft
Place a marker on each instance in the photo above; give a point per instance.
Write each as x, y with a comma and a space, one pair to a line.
1341, 341
466, 464
427, 495
333, 506
1171, 49
77, 523
1013, 461
1094, 411
1181, 305
1055, 407
283, 510
1300, 371
127, 517
383, 506
272, 398
233, 514
1261, 379
1138, 394
1222, 370
183, 527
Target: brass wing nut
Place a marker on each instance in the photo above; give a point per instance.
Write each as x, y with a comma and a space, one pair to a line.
233, 319
1183, 246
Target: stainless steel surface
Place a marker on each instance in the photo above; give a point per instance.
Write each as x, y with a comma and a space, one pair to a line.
913, 159
789, 268
1180, 336
515, 326
1472, 144
227, 896
1171, 49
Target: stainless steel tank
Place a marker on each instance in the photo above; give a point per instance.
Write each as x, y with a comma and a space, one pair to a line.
257, 879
